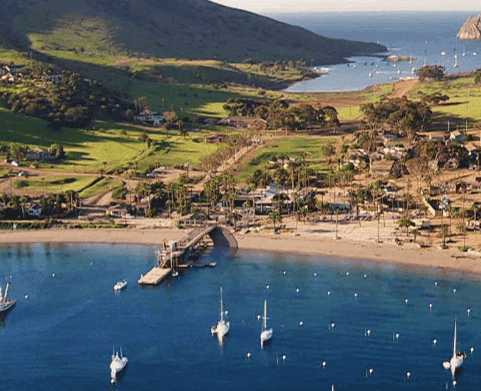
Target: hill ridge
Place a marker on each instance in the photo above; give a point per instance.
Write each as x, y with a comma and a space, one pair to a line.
197, 29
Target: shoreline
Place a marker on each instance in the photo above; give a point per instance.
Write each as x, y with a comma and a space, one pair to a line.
407, 255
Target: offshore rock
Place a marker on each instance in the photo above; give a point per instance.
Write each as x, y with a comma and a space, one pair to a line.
471, 29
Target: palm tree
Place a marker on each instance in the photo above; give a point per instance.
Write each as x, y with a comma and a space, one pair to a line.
475, 209
444, 232
378, 217
274, 218
405, 222
414, 232
462, 230
337, 212
302, 214
23, 201
234, 216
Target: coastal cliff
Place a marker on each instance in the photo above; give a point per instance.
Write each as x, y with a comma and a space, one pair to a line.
471, 29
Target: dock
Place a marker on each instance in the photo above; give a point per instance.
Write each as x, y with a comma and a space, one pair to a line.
155, 276
184, 253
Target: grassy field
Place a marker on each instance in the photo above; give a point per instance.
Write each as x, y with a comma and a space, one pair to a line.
54, 184
464, 98
9, 56
307, 147
108, 147
104, 185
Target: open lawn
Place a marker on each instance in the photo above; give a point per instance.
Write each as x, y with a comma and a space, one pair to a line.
9, 56
464, 97
108, 147
54, 184
462, 107
102, 186
307, 147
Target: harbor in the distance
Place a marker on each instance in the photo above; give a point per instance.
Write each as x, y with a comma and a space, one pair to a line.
429, 37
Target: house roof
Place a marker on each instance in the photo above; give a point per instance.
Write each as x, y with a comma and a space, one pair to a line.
471, 147
37, 150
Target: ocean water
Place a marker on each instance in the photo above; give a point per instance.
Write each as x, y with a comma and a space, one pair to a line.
60, 337
424, 35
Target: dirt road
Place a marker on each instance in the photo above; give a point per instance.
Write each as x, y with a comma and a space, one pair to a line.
402, 88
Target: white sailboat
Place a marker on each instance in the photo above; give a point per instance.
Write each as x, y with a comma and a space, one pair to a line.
457, 359
464, 52
222, 327
117, 364
266, 333
456, 65
120, 285
5, 304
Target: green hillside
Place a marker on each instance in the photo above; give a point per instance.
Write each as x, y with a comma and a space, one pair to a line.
190, 29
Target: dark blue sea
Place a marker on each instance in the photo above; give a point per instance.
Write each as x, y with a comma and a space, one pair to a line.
424, 35
61, 335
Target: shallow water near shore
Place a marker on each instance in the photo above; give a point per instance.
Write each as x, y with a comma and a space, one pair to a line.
60, 337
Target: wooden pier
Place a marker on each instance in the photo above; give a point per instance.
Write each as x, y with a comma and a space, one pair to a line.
177, 255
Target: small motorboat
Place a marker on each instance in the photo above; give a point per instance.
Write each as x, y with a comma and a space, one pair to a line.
5, 304
222, 326
120, 285
117, 364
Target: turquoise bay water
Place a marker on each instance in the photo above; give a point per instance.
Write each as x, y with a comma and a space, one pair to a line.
61, 336
424, 35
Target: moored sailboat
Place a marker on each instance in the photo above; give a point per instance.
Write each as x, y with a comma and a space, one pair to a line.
222, 327
117, 364
266, 333
5, 304
456, 65
457, 359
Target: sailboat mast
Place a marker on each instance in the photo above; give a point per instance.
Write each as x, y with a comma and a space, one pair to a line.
264, 318
221, 306
454, 340
6, 292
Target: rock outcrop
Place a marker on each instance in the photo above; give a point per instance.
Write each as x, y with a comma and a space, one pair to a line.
471, 29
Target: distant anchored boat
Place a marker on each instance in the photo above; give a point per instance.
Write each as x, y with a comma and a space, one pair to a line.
5, 304
120, 285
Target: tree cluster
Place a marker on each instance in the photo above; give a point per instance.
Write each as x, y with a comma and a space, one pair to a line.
435, 72
400, 115
279, 114
72, 101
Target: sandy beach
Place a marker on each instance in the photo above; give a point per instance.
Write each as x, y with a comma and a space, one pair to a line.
355, 242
